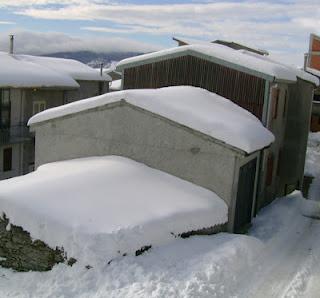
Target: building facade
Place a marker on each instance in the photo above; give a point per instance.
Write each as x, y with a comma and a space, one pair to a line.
26, 89
275, 97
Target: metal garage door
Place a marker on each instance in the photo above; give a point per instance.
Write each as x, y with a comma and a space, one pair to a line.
245, 193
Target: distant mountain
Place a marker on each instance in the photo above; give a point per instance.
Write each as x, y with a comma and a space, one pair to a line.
94, 59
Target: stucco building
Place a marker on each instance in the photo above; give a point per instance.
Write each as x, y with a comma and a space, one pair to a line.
169, 129
28, 85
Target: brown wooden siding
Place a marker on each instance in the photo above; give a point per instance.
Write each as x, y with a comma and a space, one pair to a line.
245, 90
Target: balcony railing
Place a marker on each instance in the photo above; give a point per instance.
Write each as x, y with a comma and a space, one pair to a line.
14, 134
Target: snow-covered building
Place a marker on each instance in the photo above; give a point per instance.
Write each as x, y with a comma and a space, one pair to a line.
312, 65
184, 131
315, 117
277, 94
31, 84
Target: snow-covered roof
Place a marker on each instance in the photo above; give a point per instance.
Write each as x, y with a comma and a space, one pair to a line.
82, 205
196, 108
17, 73
75, 69
189, 41
313, 71
24, 71
224, 55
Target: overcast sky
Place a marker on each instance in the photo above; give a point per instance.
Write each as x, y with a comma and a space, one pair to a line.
42, 26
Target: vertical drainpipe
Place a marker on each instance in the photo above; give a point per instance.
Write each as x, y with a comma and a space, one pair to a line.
305, 61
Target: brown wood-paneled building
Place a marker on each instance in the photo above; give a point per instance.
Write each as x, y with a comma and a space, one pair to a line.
279, 96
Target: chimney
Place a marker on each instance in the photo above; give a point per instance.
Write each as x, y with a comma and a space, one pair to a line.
11, 44
305, 62
101, 69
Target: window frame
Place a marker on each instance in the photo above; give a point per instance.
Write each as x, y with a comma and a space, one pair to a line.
36, 106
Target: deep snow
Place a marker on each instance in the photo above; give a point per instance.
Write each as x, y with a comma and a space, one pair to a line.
99, 208
279, 258
194, 107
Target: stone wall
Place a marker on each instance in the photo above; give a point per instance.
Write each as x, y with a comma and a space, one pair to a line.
20, 252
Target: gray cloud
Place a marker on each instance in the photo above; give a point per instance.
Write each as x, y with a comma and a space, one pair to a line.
281, 27
49, 42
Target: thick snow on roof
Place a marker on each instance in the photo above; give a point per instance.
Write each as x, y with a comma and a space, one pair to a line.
24, 71
18, 73
264, 67
194, 107
99, 208
73, 68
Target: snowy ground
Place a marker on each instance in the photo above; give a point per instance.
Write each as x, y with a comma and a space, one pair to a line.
279, 258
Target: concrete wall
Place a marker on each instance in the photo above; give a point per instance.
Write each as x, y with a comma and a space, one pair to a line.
87, 89
128, 131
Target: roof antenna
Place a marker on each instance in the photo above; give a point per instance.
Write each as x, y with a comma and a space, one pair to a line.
11, 44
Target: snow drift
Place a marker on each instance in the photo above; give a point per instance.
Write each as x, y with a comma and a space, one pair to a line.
102, 207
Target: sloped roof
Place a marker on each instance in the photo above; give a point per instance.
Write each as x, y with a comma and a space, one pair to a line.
16, 73
236, 59
232, 44
193, 107
25, 71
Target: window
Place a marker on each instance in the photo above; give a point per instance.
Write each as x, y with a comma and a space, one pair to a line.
38, 106
269, 169
275, 100
5, 108
7, 159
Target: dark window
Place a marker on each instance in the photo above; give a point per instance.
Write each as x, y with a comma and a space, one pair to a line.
7, 159
269, 169
5, 108
316, 97
101, 88
275, 100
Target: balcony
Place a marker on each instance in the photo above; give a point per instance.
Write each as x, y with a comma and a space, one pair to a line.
14, 134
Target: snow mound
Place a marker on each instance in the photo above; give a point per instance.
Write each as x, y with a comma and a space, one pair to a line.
19, 71
194, 107
102, 207
255, 62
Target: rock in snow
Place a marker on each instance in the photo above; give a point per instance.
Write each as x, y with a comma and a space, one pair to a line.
102, 207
